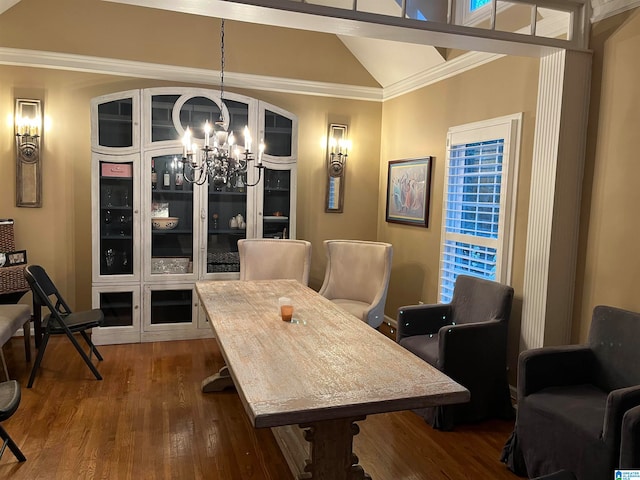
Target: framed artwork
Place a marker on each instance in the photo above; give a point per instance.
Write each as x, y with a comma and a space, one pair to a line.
9, 259
408, 191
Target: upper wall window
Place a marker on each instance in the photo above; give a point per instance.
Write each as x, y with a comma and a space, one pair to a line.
476, 4
479, 202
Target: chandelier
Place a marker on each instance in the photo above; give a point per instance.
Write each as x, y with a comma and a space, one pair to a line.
222, 159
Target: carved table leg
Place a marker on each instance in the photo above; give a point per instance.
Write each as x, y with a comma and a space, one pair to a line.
218, 382
332, 456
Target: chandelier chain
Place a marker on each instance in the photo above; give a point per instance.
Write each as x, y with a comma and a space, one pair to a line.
223, 163
221, 65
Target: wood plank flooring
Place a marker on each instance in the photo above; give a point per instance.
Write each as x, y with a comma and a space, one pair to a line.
148, 419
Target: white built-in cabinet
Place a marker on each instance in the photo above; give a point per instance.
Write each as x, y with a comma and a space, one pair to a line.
143, 277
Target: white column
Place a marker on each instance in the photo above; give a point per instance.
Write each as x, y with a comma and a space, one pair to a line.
554, 203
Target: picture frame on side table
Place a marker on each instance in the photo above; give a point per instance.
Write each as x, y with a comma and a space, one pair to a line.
409, 191
10, 259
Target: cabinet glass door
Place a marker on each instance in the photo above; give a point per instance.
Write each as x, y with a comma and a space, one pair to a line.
117, 308
171, 224
116, 123
226, 224
171, 311
121, 308
171, 306
116, 218
276, 203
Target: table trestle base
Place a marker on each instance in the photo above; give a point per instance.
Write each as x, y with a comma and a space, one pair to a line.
328, 455
218, 382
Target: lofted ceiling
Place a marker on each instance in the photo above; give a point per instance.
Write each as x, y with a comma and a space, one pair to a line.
389, 56
387, 61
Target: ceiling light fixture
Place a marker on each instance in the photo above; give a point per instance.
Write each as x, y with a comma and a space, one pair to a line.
222, 159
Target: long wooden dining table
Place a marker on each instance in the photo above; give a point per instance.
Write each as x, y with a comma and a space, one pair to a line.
311, 379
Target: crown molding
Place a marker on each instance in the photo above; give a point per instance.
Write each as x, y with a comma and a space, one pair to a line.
450, 68
602, 9
128, 68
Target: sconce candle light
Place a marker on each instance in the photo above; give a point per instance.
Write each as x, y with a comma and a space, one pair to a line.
338, 146
28, 131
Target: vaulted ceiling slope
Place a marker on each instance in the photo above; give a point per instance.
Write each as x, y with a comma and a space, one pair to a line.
394, 65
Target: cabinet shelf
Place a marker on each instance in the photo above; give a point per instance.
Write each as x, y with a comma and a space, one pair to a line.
118, 208
116, 237
230, 194
161, 191
175, 231
108, 178
228, 231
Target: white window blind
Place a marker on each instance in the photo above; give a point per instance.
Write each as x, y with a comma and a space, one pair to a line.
478, 201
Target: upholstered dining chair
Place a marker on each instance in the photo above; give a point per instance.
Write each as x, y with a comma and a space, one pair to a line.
579, 405
61, 320
467, 340
272, 259
357, 277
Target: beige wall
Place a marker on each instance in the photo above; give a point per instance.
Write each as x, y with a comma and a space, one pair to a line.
608, 261
416, 125
111, 30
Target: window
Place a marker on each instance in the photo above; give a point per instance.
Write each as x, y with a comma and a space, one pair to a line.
476, 4
479, 201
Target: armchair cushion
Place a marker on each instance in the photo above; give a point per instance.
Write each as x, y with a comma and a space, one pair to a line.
354, 307
424, 346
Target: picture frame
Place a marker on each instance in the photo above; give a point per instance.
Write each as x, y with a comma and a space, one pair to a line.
409, 191
11, 259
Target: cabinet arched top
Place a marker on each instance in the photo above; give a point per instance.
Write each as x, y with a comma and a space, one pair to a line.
145, 119
115, 122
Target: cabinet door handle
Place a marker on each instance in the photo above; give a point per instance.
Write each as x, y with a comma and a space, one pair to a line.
203, 215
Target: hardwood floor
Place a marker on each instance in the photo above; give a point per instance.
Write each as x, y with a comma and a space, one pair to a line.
148, 419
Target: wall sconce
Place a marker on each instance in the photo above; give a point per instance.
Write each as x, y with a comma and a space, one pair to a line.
28, 130
338, 147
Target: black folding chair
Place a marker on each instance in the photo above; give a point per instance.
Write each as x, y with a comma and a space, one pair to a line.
61, 319
9, 402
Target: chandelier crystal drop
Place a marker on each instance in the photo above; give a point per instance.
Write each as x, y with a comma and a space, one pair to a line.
220, 159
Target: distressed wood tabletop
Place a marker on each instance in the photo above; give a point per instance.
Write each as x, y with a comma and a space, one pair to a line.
328, 365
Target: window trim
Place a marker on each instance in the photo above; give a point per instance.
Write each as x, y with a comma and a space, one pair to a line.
485, 130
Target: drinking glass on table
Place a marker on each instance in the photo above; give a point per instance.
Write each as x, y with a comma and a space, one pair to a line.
286, 308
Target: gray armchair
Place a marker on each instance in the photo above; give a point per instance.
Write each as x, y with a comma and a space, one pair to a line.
467, 340
579, 405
